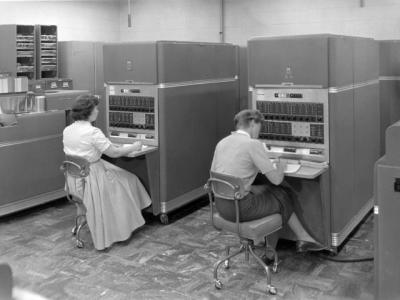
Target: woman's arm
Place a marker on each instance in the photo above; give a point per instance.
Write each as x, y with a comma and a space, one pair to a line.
115, 151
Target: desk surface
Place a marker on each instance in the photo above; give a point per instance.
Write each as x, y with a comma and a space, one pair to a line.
307, 172
304, 169
145, 150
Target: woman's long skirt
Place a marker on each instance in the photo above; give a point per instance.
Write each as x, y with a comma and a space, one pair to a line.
113, 198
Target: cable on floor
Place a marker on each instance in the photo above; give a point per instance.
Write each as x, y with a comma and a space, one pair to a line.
344, 260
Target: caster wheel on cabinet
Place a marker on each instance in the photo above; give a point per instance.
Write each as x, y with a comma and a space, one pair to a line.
218, 284
164, 219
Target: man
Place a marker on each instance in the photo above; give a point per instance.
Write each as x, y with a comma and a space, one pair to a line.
242, 155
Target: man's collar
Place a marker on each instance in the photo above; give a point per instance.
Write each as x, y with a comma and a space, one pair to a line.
240, 131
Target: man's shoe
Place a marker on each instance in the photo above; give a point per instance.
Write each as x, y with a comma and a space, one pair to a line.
304, 246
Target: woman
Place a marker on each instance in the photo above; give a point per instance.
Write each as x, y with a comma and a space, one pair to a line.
113, 197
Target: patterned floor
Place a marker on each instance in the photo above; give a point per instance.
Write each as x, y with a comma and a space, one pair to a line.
168, 262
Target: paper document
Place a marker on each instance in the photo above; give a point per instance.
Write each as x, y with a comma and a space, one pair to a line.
290, 168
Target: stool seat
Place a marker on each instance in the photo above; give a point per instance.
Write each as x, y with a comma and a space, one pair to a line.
253, 230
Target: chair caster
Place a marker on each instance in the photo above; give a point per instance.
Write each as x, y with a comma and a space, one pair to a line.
79, 244
218, 284
164, 219
272, 290
226, 264
73, 231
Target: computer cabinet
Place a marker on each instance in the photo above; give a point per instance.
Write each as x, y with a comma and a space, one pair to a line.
82, 61
17, 50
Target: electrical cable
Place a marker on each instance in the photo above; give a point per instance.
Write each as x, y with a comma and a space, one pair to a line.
345, 260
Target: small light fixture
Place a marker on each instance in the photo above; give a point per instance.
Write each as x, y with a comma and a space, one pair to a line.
129, 13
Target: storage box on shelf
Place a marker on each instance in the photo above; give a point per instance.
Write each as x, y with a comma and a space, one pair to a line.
46, 37
17, 50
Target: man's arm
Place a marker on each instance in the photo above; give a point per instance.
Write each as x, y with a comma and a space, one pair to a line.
262, 162
276, 176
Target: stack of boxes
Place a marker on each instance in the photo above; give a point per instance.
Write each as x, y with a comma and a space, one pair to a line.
9, 84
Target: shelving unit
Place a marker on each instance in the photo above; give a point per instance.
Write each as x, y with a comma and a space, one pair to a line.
46, 41
17, 50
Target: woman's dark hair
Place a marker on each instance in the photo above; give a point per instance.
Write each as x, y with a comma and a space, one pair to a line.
83, 107
244, 117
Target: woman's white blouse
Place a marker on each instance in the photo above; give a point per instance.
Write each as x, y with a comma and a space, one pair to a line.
82, 139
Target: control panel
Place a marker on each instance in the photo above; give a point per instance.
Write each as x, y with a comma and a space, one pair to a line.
132, 113
295, 122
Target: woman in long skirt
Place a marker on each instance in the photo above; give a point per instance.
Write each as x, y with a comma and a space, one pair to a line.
113, 197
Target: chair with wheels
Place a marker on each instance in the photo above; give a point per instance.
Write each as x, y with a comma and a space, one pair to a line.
77, 169
232, 188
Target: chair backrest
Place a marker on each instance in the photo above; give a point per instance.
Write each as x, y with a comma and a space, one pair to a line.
226, 186
75, 166
6, 282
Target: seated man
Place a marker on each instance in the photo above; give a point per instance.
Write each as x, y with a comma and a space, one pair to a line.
242, 155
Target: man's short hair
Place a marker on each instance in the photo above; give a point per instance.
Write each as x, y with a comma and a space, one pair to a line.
83, 107
244, 117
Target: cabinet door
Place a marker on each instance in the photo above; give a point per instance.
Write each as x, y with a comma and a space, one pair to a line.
30, 168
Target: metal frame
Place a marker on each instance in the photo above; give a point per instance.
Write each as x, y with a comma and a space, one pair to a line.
266, 94
83, 171
146, 90
337, 238
246, 245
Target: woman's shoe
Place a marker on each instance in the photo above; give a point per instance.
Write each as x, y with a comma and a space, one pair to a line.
304, 246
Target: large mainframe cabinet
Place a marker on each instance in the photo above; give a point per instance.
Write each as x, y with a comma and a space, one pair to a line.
18, 50
82, 61
31, 152
337, 125
389, 82
386, 218
180, 97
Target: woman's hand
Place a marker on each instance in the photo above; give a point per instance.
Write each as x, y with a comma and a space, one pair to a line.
137, 146
116, 150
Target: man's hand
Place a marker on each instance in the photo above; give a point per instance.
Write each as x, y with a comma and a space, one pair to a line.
281, 165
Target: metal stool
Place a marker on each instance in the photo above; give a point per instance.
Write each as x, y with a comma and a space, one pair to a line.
232, 188
77, 168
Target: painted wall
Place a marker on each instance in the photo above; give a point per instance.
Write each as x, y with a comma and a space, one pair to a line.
199, 19
189, 20
76, 20
378, 19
